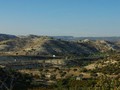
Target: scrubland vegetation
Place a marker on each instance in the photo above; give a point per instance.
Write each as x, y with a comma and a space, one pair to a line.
76, 65
100, 74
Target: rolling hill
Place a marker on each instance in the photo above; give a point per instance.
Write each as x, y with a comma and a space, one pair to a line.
43, 45
6, 37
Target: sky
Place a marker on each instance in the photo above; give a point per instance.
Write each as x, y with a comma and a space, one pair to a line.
60, 17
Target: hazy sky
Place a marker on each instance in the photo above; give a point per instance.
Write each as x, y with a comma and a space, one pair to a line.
60, 17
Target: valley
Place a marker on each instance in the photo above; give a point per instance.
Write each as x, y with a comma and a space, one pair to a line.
45, 63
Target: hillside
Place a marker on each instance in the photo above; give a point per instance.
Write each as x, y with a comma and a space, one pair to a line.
43, 45
6, 37
101, 45
111, 39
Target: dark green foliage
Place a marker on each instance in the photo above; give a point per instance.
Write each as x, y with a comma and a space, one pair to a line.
101, 83
94, 74
10, 79
66, 84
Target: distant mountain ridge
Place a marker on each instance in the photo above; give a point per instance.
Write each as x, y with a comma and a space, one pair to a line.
63, 37
112, 39
68, 38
